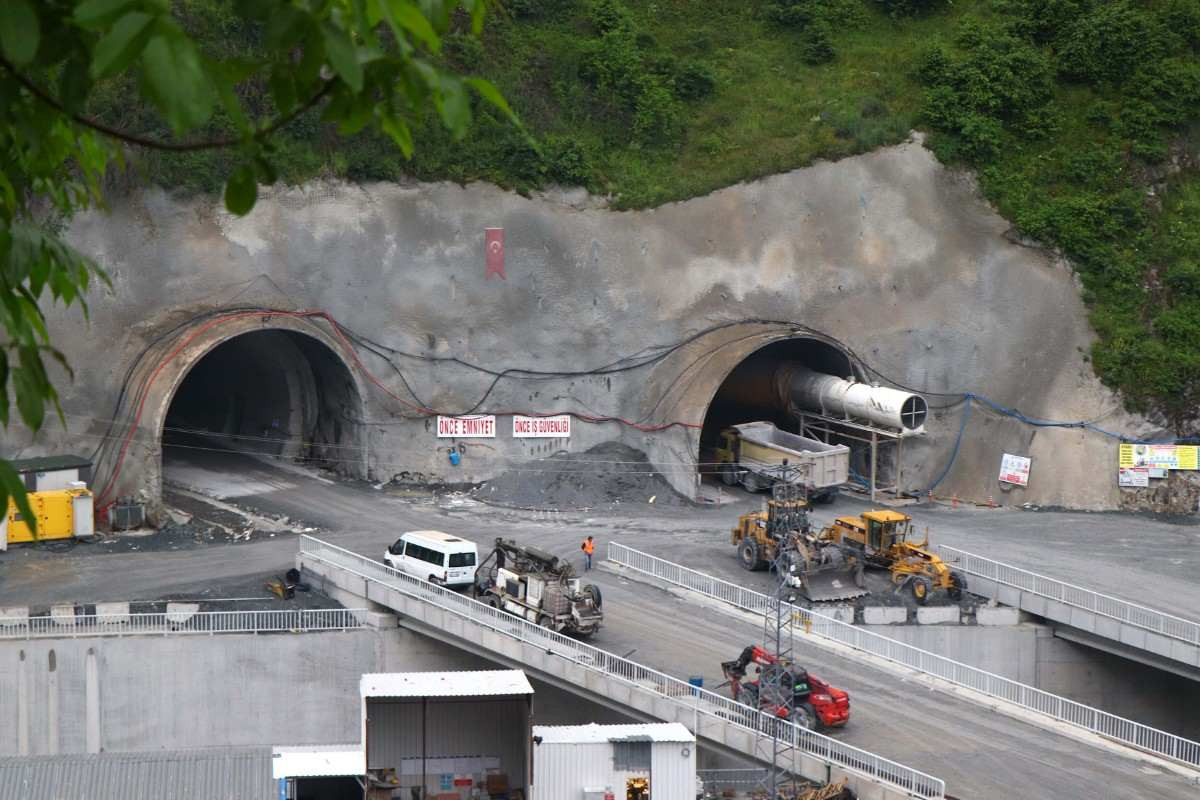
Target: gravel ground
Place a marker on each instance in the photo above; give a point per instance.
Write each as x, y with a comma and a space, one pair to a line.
608, 476
243, 593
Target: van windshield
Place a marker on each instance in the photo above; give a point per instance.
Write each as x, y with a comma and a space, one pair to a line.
462, 559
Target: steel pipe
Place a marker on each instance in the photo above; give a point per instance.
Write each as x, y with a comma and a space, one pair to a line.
840, 397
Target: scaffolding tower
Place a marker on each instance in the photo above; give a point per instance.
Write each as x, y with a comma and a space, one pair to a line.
789, 503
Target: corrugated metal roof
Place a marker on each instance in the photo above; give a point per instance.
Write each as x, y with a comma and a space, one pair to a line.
585, 734
444, 684
211, 774
50, 463
319, 761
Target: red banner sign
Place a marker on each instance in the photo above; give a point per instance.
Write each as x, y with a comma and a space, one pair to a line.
493, 247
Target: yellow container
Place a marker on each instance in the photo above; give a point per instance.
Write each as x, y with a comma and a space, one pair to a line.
61, 514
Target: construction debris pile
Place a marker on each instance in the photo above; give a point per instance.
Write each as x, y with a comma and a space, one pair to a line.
608, 476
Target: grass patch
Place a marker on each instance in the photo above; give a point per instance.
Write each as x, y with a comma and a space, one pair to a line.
1069, 112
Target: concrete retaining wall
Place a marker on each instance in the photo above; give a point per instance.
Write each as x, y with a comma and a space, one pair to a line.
955, 304
1031, 654
156, 692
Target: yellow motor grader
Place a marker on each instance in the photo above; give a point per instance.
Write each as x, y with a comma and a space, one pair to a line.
883, 539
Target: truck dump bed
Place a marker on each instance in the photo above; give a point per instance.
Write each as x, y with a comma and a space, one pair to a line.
764, 448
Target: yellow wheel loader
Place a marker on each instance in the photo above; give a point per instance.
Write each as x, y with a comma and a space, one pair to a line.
781, 538
882, 538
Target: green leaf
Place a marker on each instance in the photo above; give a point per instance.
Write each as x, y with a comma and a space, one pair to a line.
454, 105
490, 93
398, 130
285, 28
477, 9
343, 56
96, 13
409, 17
241, 191
31, 399
283, 88
19, 32
74, 84
225, 86
3, 388
176, 81
12, 487
122, 45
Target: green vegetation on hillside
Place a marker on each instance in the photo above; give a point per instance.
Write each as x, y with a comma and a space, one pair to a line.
1082, 118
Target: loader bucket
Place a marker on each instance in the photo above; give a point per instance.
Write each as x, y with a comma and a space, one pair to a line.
830, 584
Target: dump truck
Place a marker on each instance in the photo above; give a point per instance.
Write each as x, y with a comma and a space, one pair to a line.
540, 587
782, 538
759, 455
883, 538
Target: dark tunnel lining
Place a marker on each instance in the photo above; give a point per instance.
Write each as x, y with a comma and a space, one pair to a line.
270, 392
745, 394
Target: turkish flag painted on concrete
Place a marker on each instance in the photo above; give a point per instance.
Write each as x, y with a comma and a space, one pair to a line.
493, 247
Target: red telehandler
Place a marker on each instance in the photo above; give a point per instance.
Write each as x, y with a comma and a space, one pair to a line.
814, 703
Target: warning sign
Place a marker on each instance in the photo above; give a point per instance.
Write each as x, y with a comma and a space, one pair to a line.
481, 427
556, 427
1157, 456
1133, 476
1015, 469
1125, 456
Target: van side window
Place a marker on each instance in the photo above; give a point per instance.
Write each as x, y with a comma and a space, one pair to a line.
462, 559
426, 554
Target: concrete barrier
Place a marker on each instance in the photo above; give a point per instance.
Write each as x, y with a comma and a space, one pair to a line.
840, 613
63, 615
939, 615
885, 615
1001, 615
113, 613
14, 615
182, 612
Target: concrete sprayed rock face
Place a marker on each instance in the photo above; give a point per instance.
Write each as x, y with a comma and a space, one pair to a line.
889, 254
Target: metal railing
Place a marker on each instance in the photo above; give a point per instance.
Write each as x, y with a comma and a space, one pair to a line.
1128, 732
1185, 630
182, 623
695, 700
715, 779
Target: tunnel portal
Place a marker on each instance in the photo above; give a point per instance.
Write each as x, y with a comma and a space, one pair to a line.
270, 392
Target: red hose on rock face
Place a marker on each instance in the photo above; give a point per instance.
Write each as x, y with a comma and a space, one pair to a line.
352, 355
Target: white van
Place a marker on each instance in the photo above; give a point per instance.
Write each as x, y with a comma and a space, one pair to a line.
434, 556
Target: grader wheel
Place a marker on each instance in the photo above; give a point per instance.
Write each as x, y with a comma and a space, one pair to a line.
920, 588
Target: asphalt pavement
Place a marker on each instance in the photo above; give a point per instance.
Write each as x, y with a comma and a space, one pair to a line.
979, 753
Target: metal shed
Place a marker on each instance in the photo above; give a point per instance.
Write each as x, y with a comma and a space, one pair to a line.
328, 772
449, 732
627, 762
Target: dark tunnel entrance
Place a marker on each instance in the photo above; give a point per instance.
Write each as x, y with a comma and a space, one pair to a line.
271, 392
750, 394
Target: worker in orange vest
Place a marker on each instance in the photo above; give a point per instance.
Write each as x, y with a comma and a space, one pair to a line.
588, 547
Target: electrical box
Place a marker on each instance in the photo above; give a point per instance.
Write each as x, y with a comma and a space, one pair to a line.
60, 513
